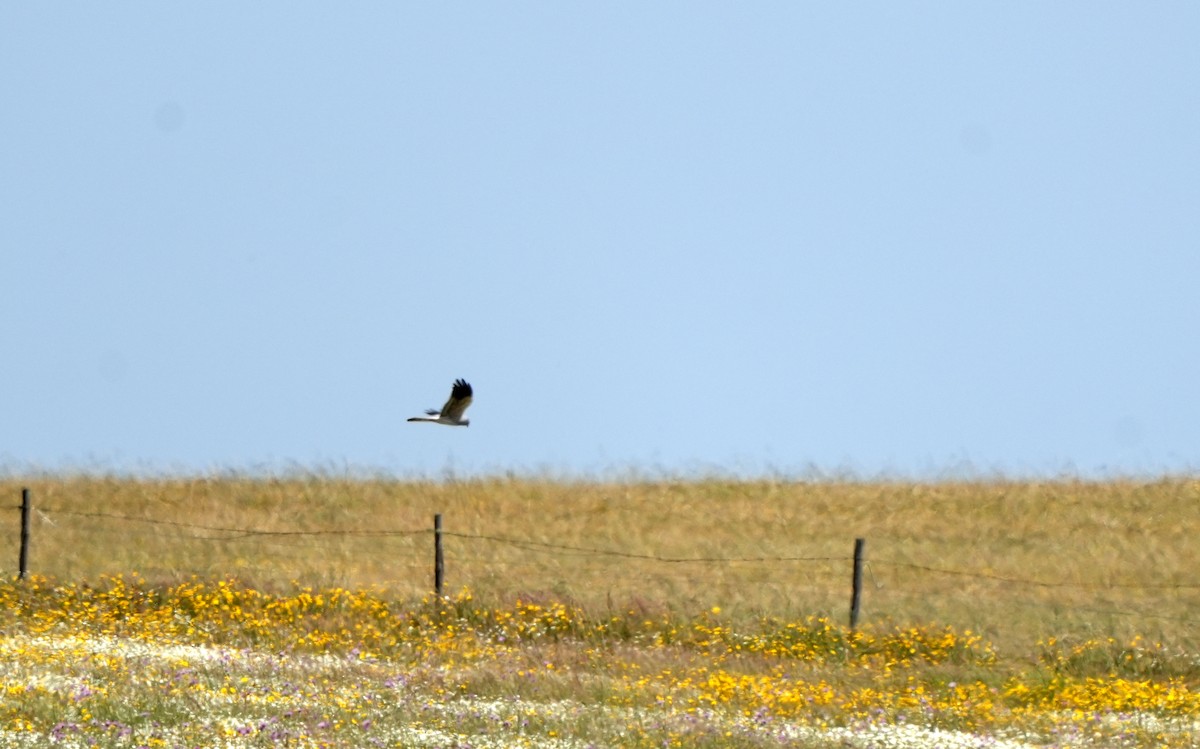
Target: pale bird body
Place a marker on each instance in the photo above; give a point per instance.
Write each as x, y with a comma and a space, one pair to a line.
451, 413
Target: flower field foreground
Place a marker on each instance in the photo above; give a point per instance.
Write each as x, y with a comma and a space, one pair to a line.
215, 663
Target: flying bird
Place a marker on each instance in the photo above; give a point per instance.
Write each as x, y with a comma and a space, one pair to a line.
451, 413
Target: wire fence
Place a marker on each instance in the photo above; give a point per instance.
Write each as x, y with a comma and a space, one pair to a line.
475, 556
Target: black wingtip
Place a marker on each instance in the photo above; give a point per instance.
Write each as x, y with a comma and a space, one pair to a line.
462, 389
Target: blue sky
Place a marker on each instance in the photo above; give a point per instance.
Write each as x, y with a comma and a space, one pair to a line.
913, 239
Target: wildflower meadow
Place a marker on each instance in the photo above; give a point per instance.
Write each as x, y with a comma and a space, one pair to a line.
177, 658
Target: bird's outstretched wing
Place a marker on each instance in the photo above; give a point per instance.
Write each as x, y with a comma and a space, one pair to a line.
460, 398
451, 413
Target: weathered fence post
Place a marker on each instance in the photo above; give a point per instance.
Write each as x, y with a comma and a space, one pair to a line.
439, 564
23, 561
856, 585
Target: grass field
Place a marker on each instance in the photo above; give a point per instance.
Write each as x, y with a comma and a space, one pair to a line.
608, 614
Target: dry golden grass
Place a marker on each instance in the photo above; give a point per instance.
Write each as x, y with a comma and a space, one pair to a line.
1061, 558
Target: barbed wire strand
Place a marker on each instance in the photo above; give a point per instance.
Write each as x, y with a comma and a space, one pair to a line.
236, 533
232, 534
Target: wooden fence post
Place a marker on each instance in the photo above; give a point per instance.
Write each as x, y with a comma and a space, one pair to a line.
439, 564
23, 561
856, 585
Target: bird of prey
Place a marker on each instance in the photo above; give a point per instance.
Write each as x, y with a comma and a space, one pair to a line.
451, 413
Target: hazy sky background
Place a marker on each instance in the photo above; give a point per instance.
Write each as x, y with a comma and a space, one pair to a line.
917, 239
